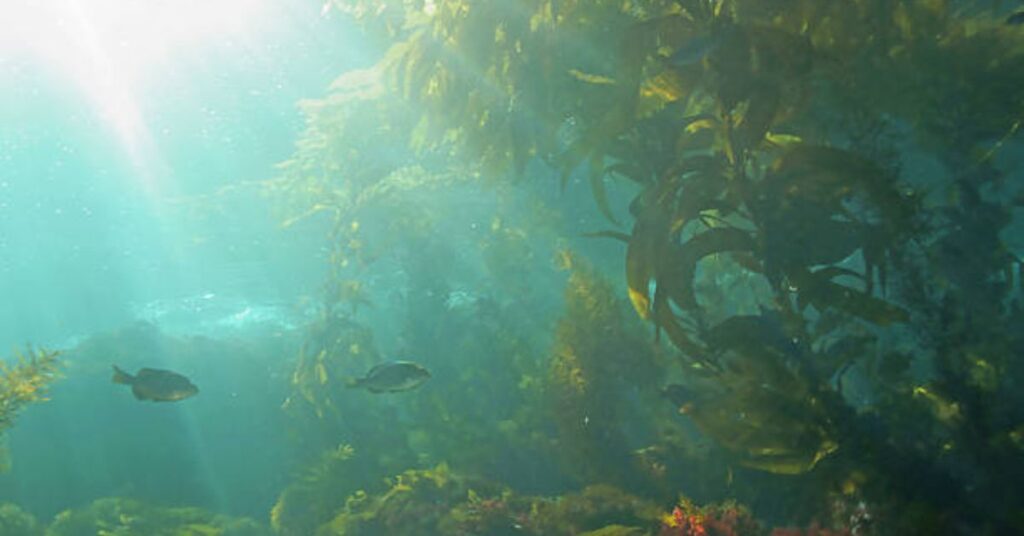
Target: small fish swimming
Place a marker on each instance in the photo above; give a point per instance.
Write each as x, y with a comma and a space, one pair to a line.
392, 377
156, 385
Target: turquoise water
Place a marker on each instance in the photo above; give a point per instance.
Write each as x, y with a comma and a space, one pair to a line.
109, 233
153, 244
648, 258
101, 228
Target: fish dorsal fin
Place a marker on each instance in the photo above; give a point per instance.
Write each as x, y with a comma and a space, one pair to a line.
161, 374
377, 368
121, 376
389, 364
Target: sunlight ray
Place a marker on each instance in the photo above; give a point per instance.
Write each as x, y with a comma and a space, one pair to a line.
110, 90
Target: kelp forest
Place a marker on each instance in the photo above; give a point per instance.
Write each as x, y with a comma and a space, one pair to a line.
676, 268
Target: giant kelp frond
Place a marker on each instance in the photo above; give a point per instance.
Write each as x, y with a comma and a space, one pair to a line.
24, 381
336, 349
769, 144
759, 407
596, 356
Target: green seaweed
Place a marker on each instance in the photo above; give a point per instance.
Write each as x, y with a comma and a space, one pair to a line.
767, 144
595, 355
415, 503
315, 495
16, 522
594, 508
25, 381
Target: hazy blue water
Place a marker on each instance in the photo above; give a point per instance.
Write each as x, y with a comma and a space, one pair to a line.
82, 242
94, 238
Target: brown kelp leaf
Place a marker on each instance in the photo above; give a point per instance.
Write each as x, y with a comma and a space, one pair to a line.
705, 165
804, 235
700, 123
748, 261
817, 174
666, 87
818, 289
597, 188
770, 430
827, 176
417, 67
732, 64
780, 55
650, 237
630, 170
750, 335
591, 78
595, 139
673, 267
758, 117
754, 349
790, 463
700, 180
666, 320
614, 235
682, 264
892, 366
700, 133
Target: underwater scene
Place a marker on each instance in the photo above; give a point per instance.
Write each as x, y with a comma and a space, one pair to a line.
511, 267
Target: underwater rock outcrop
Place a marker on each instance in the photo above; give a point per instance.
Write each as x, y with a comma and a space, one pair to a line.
415, 504
116, 516
441, 502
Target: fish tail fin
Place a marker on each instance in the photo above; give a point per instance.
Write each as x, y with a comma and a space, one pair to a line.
121, 376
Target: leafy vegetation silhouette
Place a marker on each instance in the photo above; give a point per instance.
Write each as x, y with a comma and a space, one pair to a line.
839, 316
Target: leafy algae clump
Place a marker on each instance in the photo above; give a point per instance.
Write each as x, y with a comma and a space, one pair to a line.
334, 349
316, 495
16, 522
595, 358
414, 505
599, 509
25, 381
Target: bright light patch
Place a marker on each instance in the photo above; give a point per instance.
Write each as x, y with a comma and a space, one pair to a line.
107, 48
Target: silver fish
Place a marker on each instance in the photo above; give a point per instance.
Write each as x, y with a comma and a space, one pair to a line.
392, 377
156, 385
